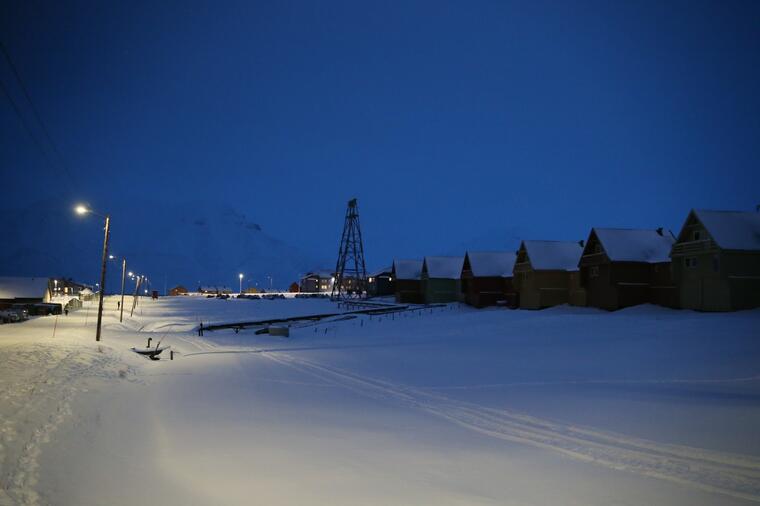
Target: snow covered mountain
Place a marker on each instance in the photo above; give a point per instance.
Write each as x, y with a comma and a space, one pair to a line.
188, 244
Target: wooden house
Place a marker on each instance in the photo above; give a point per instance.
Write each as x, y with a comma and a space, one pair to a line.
487, 278
716, 261
441, 279
626, 267
542, 273
407, 277
381, 282
294, 288
178, 290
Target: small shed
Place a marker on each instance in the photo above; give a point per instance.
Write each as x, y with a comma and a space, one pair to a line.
20, 290
487, 278
178, 290
294, 288
407, 277
716, 260
381, 282
86, 294
625, 267
441, 279
542, 273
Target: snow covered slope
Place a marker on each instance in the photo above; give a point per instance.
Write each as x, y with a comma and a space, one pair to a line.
180, 244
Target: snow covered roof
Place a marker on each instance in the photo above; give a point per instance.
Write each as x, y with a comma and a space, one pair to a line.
491, 263
380, 272
407, 269
319, 274
635, 245
85, 291
23, 288
443, 267
553, 255
738, 230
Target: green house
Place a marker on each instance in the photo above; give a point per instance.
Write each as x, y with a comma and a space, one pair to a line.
441, 279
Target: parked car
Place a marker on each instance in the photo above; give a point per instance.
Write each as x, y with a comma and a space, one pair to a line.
22, 310
9, 316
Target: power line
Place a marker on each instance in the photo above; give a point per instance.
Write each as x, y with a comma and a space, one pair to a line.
37, 116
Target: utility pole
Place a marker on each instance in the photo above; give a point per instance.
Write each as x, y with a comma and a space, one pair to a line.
103, 275
134, 297
123, 274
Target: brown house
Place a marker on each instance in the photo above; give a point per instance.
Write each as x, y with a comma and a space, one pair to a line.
407, 276
626, 267
487, 278
294, 288
542, 272
178, 290
716, 261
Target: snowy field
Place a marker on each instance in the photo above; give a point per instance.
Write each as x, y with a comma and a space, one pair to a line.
567, 406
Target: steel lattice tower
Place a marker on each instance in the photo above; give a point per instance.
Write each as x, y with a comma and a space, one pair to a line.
350, 280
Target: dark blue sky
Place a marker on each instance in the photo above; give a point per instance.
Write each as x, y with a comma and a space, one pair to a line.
455, 124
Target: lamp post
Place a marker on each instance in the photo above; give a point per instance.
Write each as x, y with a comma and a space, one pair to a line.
82, 210
240, 277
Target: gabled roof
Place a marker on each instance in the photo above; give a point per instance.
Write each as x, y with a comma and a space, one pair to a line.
634, 245
491, 263
407, 269
553, 255
443, 267
23, 288
738, 230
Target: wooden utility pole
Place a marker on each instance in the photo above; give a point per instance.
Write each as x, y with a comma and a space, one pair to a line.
123, 274
103, 275
134, 297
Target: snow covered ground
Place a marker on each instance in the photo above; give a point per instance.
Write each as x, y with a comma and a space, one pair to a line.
445, 406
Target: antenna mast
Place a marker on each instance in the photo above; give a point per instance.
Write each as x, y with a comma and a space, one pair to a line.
350, 271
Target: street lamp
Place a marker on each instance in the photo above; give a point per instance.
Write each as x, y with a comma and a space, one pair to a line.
240, 276
82, 210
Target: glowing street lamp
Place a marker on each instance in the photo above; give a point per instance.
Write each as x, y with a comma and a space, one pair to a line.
82, 210
240, 277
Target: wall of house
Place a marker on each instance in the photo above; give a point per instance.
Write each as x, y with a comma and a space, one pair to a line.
409, 291
437, 290
486, 291
540, 289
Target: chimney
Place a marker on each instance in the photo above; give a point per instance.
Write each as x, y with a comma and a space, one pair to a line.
659, 231
581, 243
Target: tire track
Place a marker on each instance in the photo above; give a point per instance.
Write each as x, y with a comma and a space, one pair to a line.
733, 475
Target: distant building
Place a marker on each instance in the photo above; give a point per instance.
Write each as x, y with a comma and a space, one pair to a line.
407, 277
294, 288
214, 290
625, 267
178, 290
86, 294
542, 272
441, 279
487, 278
716, 260
381, 282
318, 282
19, 290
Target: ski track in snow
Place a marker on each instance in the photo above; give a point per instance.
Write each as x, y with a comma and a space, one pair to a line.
37, 386
723, 473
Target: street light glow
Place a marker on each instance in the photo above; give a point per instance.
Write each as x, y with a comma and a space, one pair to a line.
240, 276
131, 274
81, 209
110, 257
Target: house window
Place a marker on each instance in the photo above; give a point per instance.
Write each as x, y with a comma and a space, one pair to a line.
594, 271
716, 263
690, 262
597, 248
697, 235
